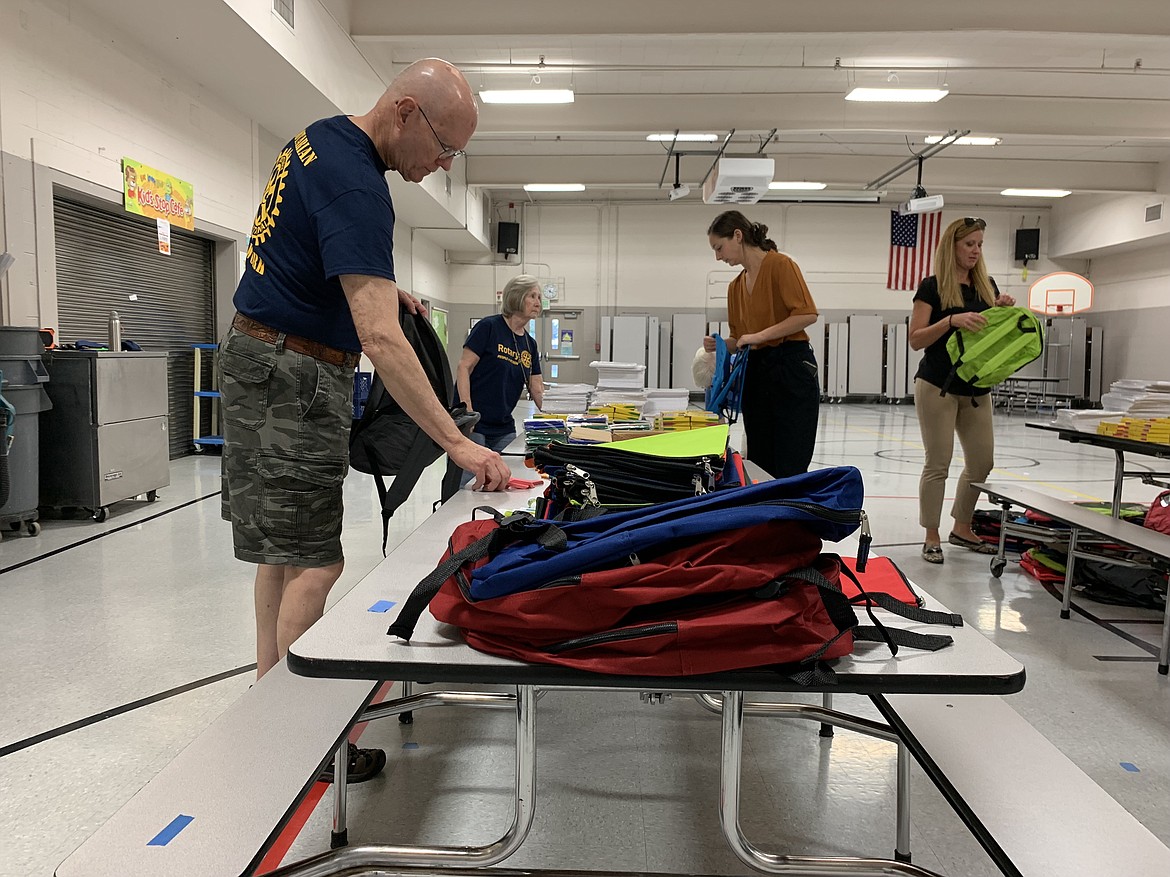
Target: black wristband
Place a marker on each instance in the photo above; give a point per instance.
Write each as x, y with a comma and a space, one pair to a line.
951, 321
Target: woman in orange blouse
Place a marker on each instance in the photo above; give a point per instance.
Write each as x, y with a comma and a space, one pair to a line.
768, 308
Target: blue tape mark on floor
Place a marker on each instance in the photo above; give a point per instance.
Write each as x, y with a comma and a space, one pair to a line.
1132, 768
410, 746
167, 835
382, 606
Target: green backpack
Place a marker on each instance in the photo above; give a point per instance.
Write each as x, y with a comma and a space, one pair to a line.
1012, 338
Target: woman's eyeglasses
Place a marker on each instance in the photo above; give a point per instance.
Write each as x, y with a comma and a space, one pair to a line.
969, 221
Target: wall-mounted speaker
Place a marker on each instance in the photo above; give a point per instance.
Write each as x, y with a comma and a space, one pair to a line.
1027, 244
508, 238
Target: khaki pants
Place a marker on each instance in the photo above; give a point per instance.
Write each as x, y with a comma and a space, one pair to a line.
939, 418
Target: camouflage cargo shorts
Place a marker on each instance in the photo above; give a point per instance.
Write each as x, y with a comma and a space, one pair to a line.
286, 421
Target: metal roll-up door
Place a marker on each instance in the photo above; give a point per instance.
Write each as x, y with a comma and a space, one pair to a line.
109, 261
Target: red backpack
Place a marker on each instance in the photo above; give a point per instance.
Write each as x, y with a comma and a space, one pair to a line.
1158, 517
760, 595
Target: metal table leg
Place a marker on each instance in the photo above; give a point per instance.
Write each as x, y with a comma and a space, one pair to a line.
340, 836
731, 757
1164, 654
1118, 477
385, 856
1066, 599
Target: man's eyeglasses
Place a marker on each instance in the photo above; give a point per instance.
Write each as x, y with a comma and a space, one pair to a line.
448, 151
969, 221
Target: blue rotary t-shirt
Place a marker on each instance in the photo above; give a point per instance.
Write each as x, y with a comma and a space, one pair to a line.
326, 211
506, 360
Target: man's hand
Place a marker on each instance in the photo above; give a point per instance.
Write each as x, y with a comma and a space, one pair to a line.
489, 468
412, 304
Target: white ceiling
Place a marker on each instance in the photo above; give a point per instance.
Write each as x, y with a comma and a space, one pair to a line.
1078, 91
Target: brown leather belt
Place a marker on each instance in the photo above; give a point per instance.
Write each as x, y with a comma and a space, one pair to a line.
315, 349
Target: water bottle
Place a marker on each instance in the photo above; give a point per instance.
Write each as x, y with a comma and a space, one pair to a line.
115, 332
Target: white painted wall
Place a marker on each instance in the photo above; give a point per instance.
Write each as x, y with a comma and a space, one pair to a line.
320, 48
657, 255
1132, 281
1087, 225
70, 102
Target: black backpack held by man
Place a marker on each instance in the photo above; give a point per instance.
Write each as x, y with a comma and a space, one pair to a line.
385, 441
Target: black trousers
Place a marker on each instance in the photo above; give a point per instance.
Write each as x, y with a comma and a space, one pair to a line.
781, 401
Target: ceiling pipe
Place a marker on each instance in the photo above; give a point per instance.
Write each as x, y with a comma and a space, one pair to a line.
916, 159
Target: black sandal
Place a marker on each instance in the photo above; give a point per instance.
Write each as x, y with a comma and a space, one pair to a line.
364, 764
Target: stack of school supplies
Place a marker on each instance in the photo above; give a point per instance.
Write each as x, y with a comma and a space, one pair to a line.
669, 421
542, 431
618, 411
1155, 429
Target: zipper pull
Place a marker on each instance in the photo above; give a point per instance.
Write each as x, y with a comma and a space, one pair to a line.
590, 487
863, 543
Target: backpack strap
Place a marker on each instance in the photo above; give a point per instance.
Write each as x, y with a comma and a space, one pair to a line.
954, 367
408, 474
515, 527
894, 637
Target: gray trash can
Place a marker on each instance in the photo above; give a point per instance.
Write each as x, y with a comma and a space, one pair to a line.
24, 375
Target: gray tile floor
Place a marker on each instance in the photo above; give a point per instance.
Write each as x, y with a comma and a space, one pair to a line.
145, 619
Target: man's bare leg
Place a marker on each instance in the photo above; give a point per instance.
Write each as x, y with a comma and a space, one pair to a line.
303, 601
269, 589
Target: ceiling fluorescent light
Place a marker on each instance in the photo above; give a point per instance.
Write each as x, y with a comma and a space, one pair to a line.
965, 141
795, 185
898, 95
1035, 193
527, 96
683, 138
853, 196
554, 187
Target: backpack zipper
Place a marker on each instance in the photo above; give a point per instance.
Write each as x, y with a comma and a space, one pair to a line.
612, 636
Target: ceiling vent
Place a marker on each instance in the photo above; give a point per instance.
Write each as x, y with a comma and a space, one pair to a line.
738, 180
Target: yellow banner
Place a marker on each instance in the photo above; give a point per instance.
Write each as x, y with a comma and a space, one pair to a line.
151, 193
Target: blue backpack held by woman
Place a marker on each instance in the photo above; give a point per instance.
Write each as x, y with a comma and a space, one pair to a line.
725, 394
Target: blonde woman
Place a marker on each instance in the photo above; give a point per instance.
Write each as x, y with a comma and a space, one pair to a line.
952, 298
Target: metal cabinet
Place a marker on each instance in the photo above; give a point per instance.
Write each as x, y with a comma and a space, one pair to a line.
105, 439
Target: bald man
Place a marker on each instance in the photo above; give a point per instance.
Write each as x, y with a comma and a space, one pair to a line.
318, 290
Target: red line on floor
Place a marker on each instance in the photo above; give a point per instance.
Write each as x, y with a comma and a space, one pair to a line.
292, 830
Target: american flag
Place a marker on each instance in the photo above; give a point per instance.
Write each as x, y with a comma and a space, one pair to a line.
913, 239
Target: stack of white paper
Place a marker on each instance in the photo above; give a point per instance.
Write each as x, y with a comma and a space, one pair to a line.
665, 399
620, 375
1138, 398
1083, 420
566, 398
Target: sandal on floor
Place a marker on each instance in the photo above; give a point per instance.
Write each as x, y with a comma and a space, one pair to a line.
364, 764
976, 545
932, 553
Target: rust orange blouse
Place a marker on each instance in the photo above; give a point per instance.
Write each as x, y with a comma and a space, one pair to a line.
779, 292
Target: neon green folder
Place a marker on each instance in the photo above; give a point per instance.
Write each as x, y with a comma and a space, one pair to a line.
684, 443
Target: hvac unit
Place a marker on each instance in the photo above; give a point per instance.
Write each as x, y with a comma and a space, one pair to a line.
738, 180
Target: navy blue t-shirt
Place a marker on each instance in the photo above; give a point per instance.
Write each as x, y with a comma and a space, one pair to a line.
506, 360
936, 361
326, 211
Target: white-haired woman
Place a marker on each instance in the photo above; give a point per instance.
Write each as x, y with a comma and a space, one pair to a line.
500, 359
